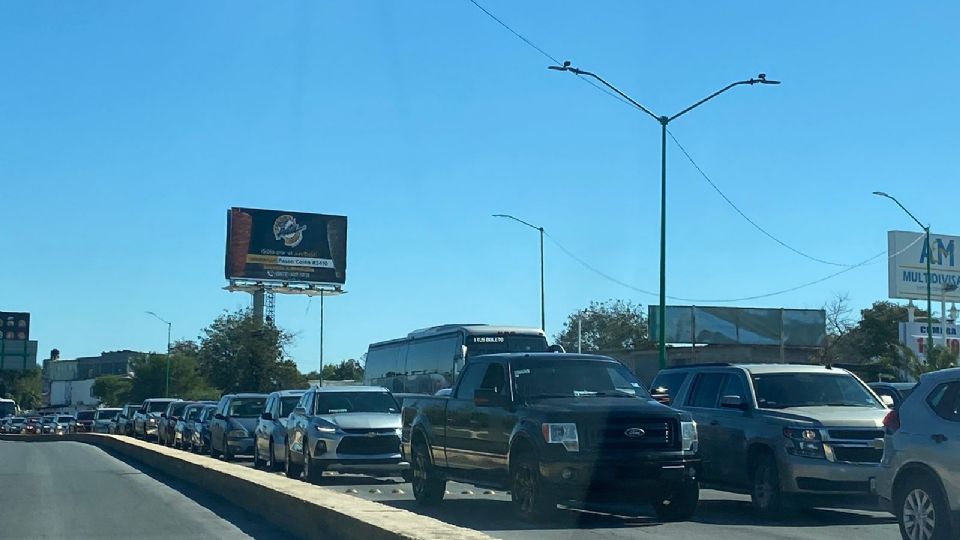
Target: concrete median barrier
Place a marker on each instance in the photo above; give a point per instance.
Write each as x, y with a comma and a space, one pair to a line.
301, 509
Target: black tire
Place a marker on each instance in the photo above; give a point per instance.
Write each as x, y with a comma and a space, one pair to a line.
290, 468
227, 455
428, 487
922, 512
311, 472
213, 450
257, 462
765, 493
531, 495
681, 506
272, 458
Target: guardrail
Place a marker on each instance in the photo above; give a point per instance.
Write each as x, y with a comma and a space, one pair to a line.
301, 509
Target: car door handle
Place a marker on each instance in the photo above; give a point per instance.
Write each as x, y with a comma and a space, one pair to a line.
938, 438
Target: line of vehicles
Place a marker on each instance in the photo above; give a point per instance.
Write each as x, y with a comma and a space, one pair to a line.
497, 407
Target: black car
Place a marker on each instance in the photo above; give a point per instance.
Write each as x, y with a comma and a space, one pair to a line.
897, 391
85, 420
553, 427
233, 425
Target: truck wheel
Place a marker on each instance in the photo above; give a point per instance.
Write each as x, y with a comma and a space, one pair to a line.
213, 450
227, 455
531, 496
428, 487
765, 494
257, 462
921, 511
681, 506
291, 470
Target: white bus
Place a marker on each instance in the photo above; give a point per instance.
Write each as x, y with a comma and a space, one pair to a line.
8, 407
428, 360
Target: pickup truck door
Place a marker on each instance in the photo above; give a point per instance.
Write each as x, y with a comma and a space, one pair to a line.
478, 436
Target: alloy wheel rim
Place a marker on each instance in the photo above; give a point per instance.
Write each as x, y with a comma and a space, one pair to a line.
763, 488
919, 516
524, 488
419, 473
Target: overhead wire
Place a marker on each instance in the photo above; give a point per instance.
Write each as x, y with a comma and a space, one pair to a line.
597, 271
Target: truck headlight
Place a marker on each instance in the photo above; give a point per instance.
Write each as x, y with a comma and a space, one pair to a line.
236, 434
804, 442
565, 434
690, 441
152, 420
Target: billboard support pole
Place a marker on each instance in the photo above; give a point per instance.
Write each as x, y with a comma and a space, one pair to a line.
321, 340
258, 303
926, 231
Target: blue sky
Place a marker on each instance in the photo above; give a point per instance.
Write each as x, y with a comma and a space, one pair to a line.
127, 130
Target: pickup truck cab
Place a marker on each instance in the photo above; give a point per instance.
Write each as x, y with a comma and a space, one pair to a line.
552, 427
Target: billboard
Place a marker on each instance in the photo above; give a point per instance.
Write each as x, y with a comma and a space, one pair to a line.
741, 326
907, 267
290, 247
14, 325
914, 336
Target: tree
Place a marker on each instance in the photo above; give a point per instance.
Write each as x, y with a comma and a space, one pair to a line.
347, 370
605, 326
24, 387
239, 353
873, 338
904, 359
112, 390
150, 378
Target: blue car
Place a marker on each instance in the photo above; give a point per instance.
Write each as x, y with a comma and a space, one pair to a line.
200, 430
270, 446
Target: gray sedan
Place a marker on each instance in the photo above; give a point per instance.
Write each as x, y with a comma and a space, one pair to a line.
270, 447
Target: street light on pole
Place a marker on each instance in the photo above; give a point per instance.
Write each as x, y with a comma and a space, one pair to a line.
169, 327
926, 232
543, 312
664, 121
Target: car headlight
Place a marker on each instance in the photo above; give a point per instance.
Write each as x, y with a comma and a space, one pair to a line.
325, 429
562, 433
690, 441
152, 420
236, 434
804, 442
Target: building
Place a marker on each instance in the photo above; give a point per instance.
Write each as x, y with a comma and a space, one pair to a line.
68, 383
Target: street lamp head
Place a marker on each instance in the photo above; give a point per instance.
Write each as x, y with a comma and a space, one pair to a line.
881, 194
762, 79
564, 67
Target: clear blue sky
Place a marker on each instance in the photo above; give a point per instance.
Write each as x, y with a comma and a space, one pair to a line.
127, 129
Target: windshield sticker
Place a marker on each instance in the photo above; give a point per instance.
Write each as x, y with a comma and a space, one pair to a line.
499, 339
336, 411
520, 372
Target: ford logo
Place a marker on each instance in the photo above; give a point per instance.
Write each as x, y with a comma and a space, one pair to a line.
635, 432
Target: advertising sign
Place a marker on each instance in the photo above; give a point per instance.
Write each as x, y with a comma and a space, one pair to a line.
742, 326
914, 336
907, 269
291, 247
14, 325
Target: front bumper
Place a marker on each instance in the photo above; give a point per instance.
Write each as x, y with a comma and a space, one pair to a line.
800, 475
241, 446
644, 479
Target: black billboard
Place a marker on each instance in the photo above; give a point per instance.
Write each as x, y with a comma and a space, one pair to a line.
14, 325
291, 247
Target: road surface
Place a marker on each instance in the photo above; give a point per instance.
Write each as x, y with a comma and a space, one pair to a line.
72, 490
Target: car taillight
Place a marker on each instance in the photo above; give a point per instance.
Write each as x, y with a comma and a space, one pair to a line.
892, 421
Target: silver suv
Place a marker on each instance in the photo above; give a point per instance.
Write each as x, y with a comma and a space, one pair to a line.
781, 432
919, 474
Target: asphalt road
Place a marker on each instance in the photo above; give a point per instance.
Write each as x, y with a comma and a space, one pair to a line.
73, 490
720, 515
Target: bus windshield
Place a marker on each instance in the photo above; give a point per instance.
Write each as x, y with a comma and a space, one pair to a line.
477, 345
7, 408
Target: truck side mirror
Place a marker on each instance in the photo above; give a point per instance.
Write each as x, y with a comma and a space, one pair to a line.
732, 402
266, 416
300, 410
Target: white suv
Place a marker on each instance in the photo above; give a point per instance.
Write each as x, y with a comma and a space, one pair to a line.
920, 471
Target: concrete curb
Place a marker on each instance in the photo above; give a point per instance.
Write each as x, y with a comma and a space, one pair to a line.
301, 509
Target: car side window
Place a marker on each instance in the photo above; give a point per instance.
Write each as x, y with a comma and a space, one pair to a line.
470, 381
494, 379
733, 385
706, 390
668, 383
945, 401
307, 402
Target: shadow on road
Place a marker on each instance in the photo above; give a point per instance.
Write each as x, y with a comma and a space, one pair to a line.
221, 507
725, 512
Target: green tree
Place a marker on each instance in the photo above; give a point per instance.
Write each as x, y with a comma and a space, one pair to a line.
24, 387
904, 359
873, 338
239, 353
606, 326
347, 370
112, 390
150, 376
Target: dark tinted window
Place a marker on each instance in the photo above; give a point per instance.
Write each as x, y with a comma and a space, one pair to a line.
384, 362
477, 345
734, 385
706, 390
544, 379
816, 389
945, 401
470, 380
355, 402
86, 415
494, 379
157, 406
668, 383
287, 404
246, 407
433, 355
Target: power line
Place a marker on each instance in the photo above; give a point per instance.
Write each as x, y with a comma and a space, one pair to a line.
612, 279
756, 226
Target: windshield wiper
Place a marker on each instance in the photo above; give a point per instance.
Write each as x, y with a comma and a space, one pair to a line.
845, 404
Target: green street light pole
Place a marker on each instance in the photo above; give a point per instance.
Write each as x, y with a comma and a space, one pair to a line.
543, 312
664, 121
926, 232
169, 327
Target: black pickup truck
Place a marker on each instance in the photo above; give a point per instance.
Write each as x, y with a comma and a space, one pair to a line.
553, 427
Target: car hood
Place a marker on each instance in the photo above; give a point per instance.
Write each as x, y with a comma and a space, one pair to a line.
248, 424
832, 416
587, 408
363, 420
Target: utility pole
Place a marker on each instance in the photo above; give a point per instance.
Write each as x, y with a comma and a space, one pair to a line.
543, 309
169, 329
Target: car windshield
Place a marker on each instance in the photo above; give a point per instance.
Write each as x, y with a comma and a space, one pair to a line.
783, 390
157, 406
177, 408
354, 402
246, 407
107, 414
287, 404
86, 415
535, 379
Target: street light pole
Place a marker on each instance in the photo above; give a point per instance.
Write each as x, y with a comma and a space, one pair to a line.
664, 121
543, 311
926, 232
169, 328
